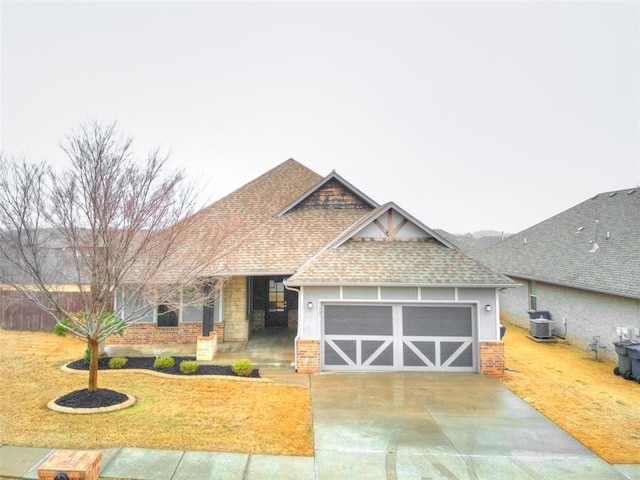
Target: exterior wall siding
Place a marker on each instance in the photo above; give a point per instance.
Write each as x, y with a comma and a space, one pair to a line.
588, 314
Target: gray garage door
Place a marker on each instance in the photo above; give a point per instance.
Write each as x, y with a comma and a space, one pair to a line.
399, 337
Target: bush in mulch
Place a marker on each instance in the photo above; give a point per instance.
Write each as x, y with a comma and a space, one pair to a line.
146, 363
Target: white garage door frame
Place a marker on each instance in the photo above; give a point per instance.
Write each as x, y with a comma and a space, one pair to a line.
385, 350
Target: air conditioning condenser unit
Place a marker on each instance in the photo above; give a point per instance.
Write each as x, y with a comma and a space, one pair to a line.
541, 328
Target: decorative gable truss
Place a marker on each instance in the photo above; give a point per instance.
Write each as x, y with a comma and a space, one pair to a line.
390, 223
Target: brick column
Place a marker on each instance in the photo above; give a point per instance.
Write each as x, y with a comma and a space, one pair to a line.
492, 358
308, 356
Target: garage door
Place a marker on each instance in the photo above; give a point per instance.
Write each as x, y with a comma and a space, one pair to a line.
399, 337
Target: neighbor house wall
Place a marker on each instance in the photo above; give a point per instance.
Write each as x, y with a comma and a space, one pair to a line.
587, 314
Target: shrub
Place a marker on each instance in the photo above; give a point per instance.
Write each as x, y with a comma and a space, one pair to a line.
242, 367
163, 362
189, 366
117, 362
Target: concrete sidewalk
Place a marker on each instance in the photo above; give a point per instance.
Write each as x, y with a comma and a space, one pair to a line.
146, 464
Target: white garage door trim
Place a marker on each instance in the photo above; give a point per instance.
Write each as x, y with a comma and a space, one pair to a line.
439, 337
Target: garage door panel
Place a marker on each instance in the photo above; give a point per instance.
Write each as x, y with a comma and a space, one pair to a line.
456, 354
358, 320
339, 352
419, 354
381, 356
437, 321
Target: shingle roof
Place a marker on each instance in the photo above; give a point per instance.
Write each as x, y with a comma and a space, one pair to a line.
391, 259
396, 263
290, 219
559, 249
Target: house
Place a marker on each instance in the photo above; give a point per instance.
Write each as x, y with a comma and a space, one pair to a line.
365, 286
582, 266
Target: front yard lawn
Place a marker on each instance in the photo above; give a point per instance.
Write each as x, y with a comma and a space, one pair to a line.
195, 413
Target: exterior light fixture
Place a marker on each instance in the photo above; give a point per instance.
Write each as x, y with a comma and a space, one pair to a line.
487, 307
310, 305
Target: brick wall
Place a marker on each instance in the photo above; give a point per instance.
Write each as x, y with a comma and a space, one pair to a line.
492, 358
148, 333
308, 356
235, 310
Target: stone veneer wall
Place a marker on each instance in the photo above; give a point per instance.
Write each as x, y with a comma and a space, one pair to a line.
308, 356
149, 333
492, 358
235, 310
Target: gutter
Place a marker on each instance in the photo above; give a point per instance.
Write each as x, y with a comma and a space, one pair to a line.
300, 322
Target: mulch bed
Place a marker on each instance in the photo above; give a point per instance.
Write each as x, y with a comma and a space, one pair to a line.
106, 398
146, 363
102, 397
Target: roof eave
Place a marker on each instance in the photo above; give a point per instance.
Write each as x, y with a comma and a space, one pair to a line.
396, 284
575, 286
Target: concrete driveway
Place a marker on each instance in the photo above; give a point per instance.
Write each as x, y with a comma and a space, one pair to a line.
438, 426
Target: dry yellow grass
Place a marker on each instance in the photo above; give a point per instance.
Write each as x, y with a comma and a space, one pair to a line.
207, 414
578, 393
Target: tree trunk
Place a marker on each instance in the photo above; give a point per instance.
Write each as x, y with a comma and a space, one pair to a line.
94, 356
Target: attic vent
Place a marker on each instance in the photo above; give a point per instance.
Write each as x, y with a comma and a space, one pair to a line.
613, 194
579, 229
631, 192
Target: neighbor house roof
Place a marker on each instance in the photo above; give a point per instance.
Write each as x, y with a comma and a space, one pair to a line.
293, 222
594, 245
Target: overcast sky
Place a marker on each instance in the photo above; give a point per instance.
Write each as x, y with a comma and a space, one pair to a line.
469, 115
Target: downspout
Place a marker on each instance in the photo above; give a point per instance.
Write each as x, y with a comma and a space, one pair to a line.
300, 316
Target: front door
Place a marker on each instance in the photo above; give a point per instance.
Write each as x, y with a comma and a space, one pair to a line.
277, 313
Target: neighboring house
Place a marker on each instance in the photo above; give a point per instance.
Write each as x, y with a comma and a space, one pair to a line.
583, 266
365, 286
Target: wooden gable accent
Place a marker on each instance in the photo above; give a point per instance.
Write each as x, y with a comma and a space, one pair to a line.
333, 195
387, 226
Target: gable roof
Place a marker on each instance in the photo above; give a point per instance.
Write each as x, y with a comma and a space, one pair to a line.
390, 247
290, 221
594, 246
333, 177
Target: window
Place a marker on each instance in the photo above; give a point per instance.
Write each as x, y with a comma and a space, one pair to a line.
533, 295
276, 296
167, 316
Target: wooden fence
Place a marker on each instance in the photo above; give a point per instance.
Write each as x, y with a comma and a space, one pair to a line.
18, 313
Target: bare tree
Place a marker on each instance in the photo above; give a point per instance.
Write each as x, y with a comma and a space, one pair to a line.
119, 225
